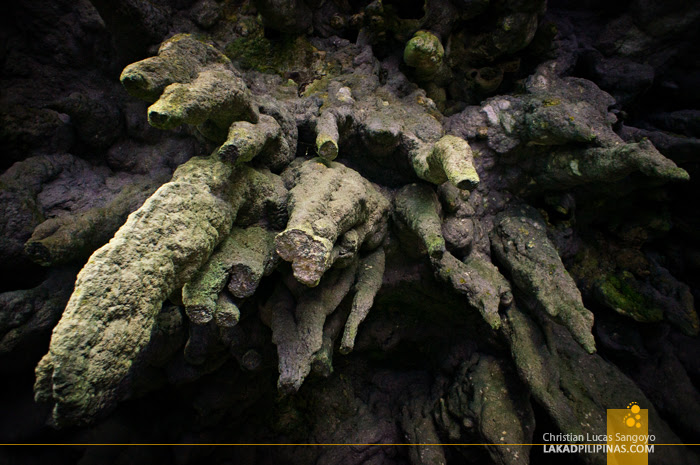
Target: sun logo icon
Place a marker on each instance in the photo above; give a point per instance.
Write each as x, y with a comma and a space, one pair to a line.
632, 419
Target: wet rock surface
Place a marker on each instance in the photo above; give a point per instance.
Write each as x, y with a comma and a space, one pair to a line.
388, 225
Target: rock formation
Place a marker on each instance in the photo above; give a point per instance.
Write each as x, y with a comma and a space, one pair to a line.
322, 222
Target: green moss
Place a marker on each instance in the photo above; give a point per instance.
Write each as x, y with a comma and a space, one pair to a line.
435, 244
287, 55
424, 52
550, 102
618, 291
251, 52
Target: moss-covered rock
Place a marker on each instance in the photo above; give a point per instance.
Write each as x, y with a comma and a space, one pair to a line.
519, 241
424, 52
180, 59
450, 159
110, 316
485, 396
416, 206
298, 326
240, 261
369, 279
574, 387
621, 293
328, 202
71, 238
287, 56
407, 242
27, 315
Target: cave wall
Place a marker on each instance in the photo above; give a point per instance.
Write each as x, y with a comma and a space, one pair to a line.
316, 222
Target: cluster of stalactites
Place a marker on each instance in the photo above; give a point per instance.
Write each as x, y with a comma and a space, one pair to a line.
208, 237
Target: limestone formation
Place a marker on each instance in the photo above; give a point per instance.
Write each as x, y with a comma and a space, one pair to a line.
394, 225
424, 52
212, 101
417, 207
240, 261
450, 160
70, 238
483, 397
572, 385
521, 246
333, 212
563, 129
191, 82
119, 292
27, 314
246, 140
297, 327
369, 281
180, 60
486, 289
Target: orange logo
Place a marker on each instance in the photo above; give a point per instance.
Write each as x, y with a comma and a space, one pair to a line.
629, 442
634, 418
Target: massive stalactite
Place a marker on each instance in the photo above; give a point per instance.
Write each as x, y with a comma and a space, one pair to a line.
356, 222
